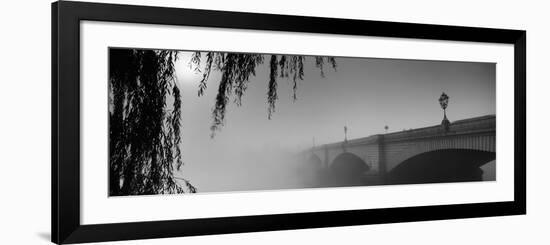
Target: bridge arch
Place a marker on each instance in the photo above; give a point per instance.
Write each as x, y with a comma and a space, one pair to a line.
398, 152
314, 161
347, 169
349, 161
441, 165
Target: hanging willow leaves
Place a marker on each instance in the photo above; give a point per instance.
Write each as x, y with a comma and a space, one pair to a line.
145, 129
236, 69
144, 132
272, 85
207, 69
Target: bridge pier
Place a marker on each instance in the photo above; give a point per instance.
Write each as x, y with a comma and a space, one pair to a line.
382, 166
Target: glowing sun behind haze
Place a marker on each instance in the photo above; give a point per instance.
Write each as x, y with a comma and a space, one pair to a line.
185, 72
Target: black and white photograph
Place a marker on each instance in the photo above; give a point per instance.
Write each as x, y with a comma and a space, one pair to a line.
275, 122
189, 121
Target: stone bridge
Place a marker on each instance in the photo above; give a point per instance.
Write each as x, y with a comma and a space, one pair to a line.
398, 157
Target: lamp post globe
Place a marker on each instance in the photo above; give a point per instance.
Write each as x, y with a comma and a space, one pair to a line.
444, 102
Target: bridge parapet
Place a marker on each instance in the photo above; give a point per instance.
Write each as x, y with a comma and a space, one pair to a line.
475, 125
370, 140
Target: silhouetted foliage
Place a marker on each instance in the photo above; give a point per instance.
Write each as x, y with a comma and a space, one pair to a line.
144, 132
236, 70
272, 87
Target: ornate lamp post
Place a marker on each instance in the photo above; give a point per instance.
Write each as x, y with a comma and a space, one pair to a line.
345, 138
346, 133
444, 101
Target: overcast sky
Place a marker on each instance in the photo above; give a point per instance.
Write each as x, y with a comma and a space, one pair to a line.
364, 94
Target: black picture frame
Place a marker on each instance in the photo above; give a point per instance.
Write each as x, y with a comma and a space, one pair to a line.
65, 138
